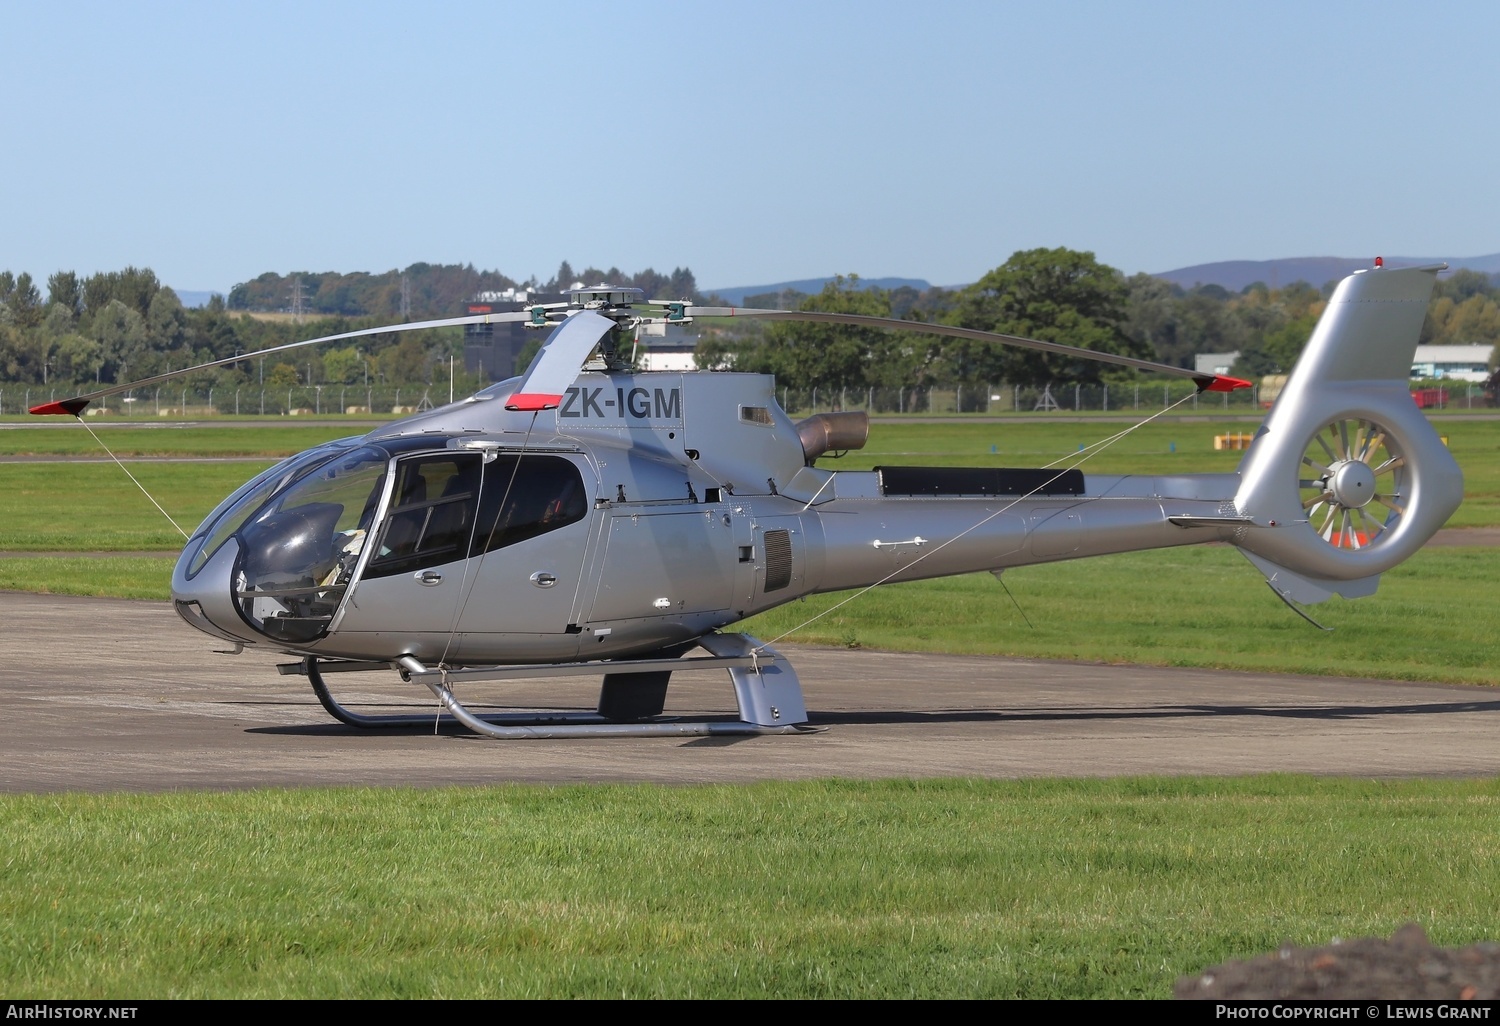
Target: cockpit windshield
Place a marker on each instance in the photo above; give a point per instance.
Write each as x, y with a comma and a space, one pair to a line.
299, 551
250, 496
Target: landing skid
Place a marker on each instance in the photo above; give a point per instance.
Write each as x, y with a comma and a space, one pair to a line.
766, 690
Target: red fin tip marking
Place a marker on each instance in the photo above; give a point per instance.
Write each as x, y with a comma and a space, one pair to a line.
529, 402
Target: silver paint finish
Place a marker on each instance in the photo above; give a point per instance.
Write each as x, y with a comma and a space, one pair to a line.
690, 474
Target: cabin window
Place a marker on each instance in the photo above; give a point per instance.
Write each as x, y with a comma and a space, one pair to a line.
432, 513
526, 495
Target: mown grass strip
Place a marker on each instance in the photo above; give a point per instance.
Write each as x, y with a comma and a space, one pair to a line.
1203, 607
272, 438
93, 507
1041, 889
130, 577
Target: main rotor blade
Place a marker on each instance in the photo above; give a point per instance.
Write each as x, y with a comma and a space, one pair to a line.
1205, 382
75, 405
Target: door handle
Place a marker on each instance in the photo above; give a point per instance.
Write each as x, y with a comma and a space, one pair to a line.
428, 577
542, 579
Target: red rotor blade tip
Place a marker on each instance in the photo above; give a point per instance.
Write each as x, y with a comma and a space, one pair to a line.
528, 402
1224, 383
61, 408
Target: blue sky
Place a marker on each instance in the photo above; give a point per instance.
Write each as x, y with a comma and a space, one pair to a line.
752, 143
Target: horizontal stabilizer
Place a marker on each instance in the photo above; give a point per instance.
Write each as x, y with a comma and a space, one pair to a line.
1194, 520
1310, 590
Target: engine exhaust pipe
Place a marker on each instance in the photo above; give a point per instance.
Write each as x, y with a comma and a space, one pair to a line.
833, 432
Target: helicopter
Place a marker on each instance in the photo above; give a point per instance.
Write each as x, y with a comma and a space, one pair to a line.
586, 518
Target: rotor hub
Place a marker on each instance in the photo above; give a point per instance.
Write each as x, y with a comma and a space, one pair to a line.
1352, 483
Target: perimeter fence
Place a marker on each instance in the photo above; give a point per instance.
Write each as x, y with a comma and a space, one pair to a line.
301, 400
1003, 398
923, 400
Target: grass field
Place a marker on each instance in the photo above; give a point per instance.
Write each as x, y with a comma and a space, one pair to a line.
53, 506
1071, 889
825, 889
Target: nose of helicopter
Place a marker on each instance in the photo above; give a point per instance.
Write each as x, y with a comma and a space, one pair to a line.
206, 598
274, 561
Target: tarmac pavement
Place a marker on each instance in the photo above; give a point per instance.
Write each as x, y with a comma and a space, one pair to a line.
106, 695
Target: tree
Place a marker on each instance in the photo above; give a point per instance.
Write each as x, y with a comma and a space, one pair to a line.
563, 279
1054, 295
343, 366
121, 334
407, 361
1277, 351
64, 289
1464, 284
829, 355
166, 321
1152, 319
78, 358
715, 351
1454, 322
283, 375
134, 286
25, 303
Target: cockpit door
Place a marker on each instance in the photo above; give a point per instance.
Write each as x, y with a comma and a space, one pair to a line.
535, 537
413, 575
478, 558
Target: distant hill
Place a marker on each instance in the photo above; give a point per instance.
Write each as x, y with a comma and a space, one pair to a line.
1234, 275
191, 298
735, 296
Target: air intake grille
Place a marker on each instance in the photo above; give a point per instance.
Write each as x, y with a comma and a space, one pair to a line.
778, 559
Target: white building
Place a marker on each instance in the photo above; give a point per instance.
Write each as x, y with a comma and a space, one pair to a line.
1457, 363
669, 347
1214, 363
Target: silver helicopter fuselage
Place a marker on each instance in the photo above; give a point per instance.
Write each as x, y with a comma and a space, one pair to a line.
646, 510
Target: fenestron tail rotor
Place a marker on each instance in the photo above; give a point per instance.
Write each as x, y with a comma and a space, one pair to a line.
1353, 483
